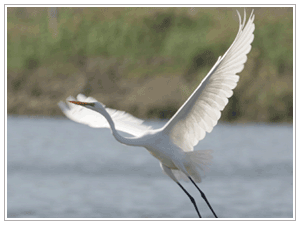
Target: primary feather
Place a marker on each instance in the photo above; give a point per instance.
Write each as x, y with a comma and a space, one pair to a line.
200, 113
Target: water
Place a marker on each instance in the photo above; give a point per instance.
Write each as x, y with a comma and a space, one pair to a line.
57, 168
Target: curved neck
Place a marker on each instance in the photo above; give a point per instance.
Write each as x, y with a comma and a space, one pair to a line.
127, 141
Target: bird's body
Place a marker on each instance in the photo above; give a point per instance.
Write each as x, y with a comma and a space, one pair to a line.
164, 150
182, 163
173, 144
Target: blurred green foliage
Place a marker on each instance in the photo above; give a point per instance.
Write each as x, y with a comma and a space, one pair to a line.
142, 43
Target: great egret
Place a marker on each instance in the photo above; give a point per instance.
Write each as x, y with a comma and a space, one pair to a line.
173, 144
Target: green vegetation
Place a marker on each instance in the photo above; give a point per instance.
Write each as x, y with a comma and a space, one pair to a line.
119, 56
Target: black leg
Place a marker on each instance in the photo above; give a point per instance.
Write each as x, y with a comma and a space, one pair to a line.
191, 198
204, 197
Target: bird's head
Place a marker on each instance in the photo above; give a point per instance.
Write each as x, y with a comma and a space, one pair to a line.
96, 106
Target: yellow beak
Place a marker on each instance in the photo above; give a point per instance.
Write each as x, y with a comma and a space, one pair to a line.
82, 103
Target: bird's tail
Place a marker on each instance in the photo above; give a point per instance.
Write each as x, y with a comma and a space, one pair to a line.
196, 161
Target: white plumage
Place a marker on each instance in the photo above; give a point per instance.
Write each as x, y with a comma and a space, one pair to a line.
174, 143
200, 113
123, 121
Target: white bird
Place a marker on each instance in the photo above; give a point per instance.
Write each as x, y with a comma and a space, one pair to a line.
173, 144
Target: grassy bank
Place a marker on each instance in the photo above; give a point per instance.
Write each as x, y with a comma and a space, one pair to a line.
145, 60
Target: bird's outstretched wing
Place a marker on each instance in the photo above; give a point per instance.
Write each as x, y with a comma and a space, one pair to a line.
200, 113
123, 121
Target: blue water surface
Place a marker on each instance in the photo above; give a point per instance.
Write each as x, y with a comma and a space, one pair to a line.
57, 168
